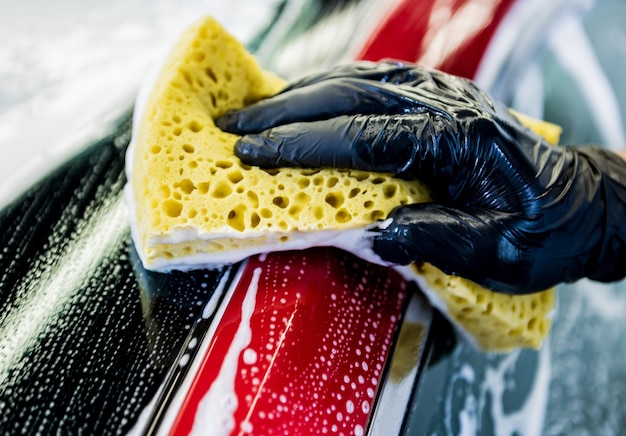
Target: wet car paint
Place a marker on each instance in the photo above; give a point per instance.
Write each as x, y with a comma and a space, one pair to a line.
92, 357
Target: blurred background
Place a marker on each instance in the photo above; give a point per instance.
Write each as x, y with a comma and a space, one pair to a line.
69, 68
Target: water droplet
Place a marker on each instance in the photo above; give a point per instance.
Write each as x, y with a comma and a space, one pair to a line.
365, 406
250, 356
349, 406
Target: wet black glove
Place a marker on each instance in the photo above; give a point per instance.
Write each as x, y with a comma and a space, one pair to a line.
512, 213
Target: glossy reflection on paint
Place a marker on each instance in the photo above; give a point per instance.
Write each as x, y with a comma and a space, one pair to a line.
86, 335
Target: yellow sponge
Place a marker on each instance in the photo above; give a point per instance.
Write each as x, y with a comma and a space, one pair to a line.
193, 203
492, 321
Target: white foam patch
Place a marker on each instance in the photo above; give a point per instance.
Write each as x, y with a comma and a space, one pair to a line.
526, 420
529, 419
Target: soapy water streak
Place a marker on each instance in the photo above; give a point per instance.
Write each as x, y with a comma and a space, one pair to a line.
488, 391
220, 400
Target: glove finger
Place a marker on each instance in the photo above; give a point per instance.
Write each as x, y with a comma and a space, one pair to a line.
369, 89
379, 143
315, 102
473, 245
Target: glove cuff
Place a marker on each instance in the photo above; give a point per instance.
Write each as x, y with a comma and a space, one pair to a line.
608, 263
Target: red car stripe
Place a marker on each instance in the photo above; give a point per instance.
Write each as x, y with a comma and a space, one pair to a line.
301, 347
450, 35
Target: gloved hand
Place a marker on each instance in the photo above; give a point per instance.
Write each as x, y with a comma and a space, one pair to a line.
512, 213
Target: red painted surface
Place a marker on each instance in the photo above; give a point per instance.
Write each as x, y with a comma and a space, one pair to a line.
449, 35
320, 332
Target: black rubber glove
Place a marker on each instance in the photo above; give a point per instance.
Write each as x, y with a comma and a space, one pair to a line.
513, 213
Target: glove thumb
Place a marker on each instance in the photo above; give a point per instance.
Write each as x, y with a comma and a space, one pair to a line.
458, 242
